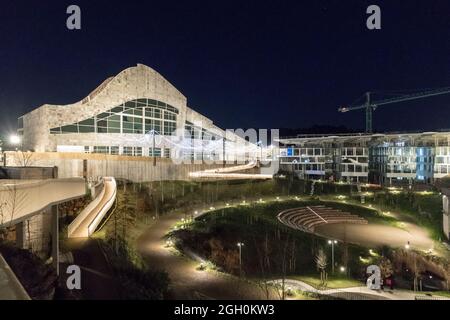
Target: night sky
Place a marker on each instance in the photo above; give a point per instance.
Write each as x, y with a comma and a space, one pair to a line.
244, 64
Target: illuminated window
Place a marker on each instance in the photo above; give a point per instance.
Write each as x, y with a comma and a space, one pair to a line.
135, 116
154, 152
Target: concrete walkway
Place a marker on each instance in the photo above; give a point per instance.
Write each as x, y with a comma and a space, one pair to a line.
186, 281
10, 286
189, 283
87, 221
355, 293
25, 198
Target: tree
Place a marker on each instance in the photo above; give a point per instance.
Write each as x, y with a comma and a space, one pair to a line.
321, 263
23, 159
11, 200
385, 267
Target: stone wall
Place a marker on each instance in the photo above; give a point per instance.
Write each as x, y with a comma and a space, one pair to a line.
35, 234
93, 166
28, 173
132, 83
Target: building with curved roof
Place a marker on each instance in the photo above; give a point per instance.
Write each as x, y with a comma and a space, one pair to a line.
136, 113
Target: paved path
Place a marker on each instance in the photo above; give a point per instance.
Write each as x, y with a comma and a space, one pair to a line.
87, 221
186, 281
23, 199
97, 278
10, 286
189, 283
356, 293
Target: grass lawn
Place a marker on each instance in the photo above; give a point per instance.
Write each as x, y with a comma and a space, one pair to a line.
439, 293
333, 281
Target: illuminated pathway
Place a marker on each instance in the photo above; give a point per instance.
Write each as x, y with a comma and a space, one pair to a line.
186, 281
229, 173
357, 293
88, 220
189, 283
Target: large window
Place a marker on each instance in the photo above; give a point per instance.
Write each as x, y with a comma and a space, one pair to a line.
132, 151
195, 132
137, 116
154, 152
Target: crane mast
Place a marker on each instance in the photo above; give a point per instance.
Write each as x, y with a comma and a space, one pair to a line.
370, 105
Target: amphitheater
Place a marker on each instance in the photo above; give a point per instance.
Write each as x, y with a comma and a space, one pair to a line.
308, 218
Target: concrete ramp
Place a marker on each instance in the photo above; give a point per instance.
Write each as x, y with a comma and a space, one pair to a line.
21, 199
230, 173
88, 220
10, 286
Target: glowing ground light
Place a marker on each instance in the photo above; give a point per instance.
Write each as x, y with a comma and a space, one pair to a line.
211, 208
425, 193
364, 260
227, 204
169, 243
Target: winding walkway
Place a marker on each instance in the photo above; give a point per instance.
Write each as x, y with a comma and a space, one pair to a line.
189, 283
186, 281
356, 293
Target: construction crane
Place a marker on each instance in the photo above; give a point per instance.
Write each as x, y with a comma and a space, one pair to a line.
370, 105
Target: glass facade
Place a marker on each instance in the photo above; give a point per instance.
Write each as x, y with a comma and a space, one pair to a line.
136, 116
195, 132
132, 151
154, 152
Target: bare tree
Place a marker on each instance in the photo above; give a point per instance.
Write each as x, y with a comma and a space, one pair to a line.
321, 263
12, 201
264, 265
23, 159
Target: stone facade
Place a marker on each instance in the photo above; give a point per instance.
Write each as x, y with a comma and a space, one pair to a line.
139, 82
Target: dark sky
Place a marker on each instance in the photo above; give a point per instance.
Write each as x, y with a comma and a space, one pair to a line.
241, 63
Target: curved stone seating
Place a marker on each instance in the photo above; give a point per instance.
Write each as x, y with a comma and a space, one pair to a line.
308, 218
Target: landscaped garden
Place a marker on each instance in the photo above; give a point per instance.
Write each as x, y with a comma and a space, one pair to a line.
271, 250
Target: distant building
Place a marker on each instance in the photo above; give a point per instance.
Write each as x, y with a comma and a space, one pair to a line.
391, 158
135, 113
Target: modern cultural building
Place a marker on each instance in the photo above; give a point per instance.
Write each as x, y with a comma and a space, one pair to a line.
388, 159
135, 113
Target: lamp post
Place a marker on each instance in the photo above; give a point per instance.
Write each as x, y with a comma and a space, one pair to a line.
15, 140
332, 243
408, 247
153, 147
259, 143
223, 151
240, 245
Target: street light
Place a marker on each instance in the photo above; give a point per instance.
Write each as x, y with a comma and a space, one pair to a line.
332, 243
240, 245
14, 139
153, 133
259, 143
407, 247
